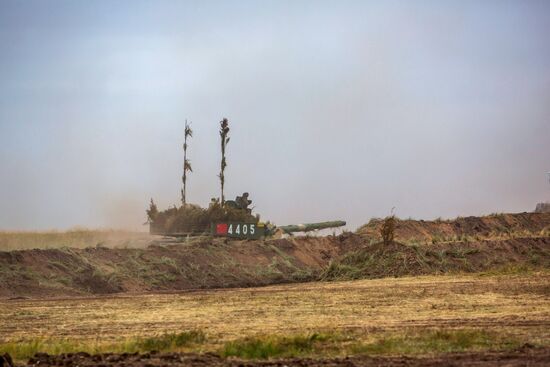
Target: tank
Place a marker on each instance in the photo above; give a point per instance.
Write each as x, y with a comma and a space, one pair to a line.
233, 220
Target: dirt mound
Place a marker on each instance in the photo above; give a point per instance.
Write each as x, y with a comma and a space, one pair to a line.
168, 266
526, 355
396, 259
462, 245
36, 272
220, 264
497, 226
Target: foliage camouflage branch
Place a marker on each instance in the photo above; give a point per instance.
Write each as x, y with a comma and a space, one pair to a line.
224, 135
186, 163
152, 212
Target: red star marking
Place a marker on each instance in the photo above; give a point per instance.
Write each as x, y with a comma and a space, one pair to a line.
221, 228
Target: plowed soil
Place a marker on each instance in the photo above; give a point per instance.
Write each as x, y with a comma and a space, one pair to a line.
525, 356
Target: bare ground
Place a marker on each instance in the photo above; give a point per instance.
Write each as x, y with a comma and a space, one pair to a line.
524, 356
518, 305
510, 313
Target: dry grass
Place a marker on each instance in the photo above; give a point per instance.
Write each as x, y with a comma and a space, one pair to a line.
78, 238
326, 344
330, 344
182, 341
375, 312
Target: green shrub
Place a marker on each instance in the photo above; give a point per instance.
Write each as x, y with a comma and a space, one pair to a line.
274, 346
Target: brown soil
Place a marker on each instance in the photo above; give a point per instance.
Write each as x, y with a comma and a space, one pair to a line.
524, 356
165, 266
487, 227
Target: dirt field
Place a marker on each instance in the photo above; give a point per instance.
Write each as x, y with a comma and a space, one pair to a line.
507, 310
526, 356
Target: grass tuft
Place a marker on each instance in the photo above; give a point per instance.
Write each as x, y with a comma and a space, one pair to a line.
264, 347
436, 341
330, 344
25, 349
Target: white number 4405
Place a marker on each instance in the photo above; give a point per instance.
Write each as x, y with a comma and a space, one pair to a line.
246, 229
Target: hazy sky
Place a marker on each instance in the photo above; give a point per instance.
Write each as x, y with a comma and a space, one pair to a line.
338, 109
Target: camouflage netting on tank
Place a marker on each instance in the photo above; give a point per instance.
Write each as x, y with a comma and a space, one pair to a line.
194, 219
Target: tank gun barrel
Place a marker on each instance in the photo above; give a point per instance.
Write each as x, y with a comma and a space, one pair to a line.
292, 228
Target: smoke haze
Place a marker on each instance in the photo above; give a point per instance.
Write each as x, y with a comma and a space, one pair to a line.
337, 109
